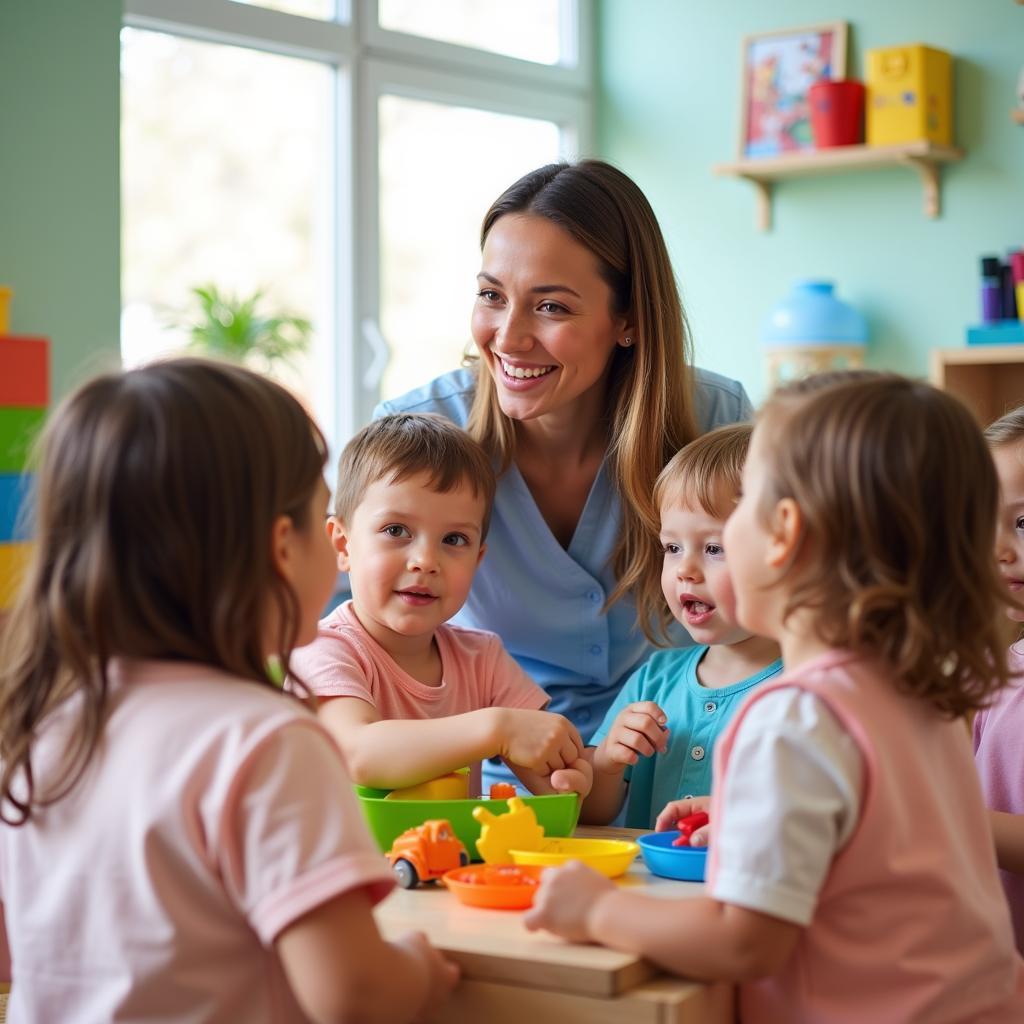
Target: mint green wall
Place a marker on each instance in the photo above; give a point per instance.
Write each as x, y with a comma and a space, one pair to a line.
668, 109
59, 191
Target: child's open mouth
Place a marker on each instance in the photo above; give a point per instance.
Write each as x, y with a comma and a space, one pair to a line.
416, 597
697, 612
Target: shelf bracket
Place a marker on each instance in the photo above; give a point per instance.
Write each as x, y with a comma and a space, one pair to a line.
929, 173
764, 202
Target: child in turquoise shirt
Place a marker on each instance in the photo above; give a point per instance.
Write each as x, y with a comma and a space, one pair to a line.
655, 743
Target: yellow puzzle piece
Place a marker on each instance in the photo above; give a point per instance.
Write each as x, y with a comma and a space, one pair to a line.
453, 786
517, 829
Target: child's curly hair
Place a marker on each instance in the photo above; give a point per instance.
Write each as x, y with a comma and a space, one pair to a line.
898, 495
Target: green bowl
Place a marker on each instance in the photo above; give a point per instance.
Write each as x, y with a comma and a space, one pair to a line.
388, 819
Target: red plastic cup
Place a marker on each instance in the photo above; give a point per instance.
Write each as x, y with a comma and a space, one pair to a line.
837, 113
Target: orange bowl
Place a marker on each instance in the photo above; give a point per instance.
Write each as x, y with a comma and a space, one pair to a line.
496, 886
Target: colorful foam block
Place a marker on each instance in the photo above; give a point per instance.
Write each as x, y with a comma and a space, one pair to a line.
24, 371
19, 427
14, 489
13, 560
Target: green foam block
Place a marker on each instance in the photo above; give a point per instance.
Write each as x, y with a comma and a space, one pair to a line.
19, 427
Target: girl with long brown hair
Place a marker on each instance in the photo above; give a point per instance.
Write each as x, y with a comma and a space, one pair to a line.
582, 391
180, 838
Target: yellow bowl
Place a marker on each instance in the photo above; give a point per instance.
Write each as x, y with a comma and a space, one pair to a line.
609, 856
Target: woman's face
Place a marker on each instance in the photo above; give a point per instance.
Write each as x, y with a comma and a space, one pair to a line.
543, 318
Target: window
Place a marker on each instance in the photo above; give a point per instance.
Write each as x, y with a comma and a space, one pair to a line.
340, 156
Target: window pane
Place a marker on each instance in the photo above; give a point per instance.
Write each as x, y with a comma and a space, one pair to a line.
441, 167
323, 9
528, 29
226, 172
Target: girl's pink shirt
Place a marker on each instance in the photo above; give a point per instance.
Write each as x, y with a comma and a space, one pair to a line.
345, 661
999, 755
910, 925
215, 813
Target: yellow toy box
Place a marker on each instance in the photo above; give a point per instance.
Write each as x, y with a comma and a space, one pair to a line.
910, 95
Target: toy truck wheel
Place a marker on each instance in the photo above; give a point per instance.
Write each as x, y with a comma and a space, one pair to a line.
405, 874
463, 858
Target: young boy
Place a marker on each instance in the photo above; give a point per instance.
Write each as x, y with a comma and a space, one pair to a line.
656, 740
407, 697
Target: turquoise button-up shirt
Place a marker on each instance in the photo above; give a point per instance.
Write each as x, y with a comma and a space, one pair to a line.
545, 601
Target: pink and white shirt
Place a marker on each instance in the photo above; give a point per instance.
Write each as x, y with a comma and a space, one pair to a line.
215, 813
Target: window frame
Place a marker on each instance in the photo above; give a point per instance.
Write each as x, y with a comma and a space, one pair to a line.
370, 62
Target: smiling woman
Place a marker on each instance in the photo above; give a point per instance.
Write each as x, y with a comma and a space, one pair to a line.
582, 392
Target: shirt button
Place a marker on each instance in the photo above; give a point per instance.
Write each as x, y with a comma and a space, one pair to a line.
697, 753
596, 649
710, 706
595, 596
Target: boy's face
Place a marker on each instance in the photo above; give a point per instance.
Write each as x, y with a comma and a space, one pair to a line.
694, 577
1010, 525
411, 553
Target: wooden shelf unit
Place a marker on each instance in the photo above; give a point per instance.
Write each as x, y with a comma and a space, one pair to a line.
988, 379
926, 158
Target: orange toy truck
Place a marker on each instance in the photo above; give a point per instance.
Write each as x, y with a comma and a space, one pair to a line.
425, 853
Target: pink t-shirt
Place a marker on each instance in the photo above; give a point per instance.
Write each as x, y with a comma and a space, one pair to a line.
477, 672
214, 813
999, 755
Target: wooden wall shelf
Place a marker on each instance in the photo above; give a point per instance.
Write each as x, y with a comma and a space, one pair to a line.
924, 157
988, 379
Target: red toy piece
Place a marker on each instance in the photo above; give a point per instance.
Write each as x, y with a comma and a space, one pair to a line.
688, 825
425, 853
501, 791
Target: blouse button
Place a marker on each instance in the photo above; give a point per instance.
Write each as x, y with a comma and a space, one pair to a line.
595, 596
697, 753
710, 707
596, 649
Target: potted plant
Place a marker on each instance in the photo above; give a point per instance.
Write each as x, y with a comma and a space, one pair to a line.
233, 327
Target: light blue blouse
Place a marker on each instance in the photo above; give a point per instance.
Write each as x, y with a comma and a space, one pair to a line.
544, 600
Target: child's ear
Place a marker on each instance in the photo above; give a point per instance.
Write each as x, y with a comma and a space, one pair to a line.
338, 536
282, 534
480, 554
784, 536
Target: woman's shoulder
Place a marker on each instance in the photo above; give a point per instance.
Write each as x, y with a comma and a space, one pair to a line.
449, 395
720, 400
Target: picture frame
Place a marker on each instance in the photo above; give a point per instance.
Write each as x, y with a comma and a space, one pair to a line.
778, 68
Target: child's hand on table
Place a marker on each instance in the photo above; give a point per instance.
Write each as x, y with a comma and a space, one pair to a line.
666, 821
577, 777
442, 975
565, 898
539, 740
638, 731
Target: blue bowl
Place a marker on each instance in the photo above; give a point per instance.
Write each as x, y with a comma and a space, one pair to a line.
685, 863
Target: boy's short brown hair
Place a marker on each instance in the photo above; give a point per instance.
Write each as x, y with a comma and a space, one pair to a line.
706, 473
404, 444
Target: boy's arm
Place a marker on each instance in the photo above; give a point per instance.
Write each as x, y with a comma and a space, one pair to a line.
390, 754
637, 731
1008, 832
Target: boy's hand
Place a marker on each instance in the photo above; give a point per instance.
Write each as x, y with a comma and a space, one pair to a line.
564, 900
538, 740
638, 731
576, 778
666, 821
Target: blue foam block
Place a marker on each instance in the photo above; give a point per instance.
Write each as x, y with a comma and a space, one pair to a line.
14, 489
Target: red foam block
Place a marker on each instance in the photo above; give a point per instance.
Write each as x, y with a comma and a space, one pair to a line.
24, 371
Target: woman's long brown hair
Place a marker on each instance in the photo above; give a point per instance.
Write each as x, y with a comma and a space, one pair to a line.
156, 494
649, 410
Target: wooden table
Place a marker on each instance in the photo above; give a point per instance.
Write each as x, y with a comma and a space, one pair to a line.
512, 976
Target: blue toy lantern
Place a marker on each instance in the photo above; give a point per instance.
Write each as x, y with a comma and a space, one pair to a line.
810, 331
